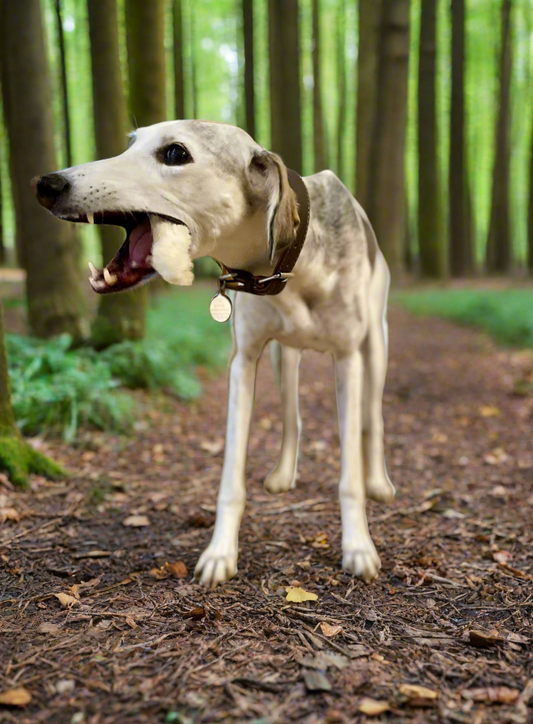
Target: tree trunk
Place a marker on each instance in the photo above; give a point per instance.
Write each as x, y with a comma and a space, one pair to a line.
499, 249
120, 316
2, 245
47, 247
17, 458
145, 39
530, 214
285, 105
367, 83
341, 84
249, 82
64, 87
386, 203
319, 136
179, 84
461, 256
430, 231
192, 55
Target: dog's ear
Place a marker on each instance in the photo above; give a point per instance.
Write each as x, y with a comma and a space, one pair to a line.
282, 215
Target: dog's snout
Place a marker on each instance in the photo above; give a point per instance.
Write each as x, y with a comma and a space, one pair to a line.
49, 188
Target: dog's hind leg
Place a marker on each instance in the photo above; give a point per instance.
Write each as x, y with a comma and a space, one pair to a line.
286, 362
377, 483
359, 556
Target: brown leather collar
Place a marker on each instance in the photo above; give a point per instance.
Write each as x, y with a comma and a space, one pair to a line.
243, 281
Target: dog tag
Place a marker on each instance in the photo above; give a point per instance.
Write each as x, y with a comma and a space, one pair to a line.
220, 307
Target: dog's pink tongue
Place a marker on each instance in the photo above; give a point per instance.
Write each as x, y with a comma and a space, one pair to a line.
141, 243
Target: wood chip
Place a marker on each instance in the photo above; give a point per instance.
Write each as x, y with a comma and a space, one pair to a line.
15, 697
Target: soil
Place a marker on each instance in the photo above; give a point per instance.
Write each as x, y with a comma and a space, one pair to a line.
136, 640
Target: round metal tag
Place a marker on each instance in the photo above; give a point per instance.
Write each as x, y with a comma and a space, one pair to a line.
220, 308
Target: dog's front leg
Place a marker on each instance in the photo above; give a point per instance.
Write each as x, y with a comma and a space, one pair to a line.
218, 562
359, 555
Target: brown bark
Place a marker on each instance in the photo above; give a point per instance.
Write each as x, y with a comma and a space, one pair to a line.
499, 247
285, 104
367, 83
319, 136
64, 86
341, 83
461, 256
249, 81
145, 39
120, 316
179, 84
430, 231
386, 203
47, 247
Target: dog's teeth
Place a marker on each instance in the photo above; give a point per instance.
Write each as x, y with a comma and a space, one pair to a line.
134, 264
94, 270
90, 218
110, 279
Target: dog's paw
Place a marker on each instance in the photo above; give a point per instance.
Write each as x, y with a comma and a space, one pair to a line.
380, 489
362, 562
215, 566
279, 481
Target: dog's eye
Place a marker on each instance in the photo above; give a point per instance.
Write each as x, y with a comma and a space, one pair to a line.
176, 155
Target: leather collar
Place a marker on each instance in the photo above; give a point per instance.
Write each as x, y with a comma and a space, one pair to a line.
243, 281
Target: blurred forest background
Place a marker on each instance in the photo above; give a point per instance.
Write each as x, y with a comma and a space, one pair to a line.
422, 107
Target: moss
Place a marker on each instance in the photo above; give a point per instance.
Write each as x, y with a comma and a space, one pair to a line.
18, 460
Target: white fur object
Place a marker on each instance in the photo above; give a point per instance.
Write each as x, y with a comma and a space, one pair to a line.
171, 256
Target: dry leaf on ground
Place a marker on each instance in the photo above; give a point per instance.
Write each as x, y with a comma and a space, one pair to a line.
136, 521
66, 600
316, 681
372, 707
9, 514
15, 697
329, 630
492, 695
296, 594
484, 639
418, 695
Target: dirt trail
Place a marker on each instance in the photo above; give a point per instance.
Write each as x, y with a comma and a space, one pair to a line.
456, 547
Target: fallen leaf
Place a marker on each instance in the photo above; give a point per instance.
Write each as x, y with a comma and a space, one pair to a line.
66, 600
15, 697
197, 613
131, 622
296, 594
136, 521
316, 681
329, 630
9, 514
418, 695
214, 447
502, 556
489, 411
177, 569
372, 707
484, 639
323, 661
159, 573
49, 628
492, 695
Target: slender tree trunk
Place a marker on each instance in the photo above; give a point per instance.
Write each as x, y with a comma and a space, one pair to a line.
285, 104
145, 39
249, 81
17, 458
2, 244
530, 211
64, 87
461, 257
367, 83
386, 204
192, 46
179, 84
430, 231
319, 136
47, 246
120, 316
499, 246
341, 83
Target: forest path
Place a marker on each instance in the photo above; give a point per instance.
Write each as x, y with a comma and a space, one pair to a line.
456, 548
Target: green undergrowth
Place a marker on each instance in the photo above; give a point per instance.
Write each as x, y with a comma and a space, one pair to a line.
507, 315
58, 390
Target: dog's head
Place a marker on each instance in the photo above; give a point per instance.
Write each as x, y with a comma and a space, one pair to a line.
183, 189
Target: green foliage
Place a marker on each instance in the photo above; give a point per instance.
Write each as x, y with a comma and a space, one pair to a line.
56, 389
506, 315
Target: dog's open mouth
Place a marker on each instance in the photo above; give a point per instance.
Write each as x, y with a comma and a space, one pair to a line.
132, 264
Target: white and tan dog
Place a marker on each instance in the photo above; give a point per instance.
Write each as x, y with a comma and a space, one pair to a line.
188, 189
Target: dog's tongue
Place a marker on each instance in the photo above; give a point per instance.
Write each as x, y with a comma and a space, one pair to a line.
141, 243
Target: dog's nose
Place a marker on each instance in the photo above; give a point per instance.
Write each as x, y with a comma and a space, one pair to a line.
49, 188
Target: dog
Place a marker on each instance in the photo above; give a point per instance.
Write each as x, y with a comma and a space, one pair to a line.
188, 189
